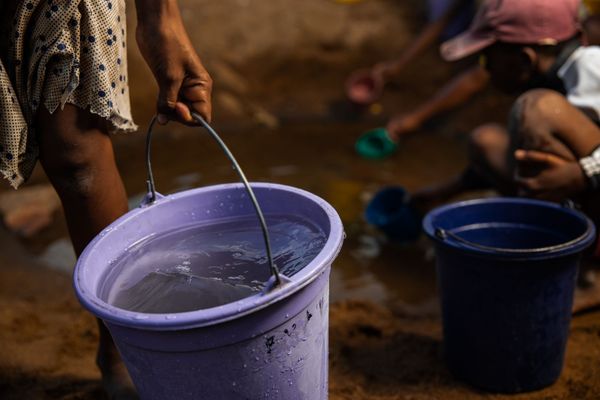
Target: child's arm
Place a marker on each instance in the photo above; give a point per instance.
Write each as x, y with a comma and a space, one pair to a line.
182, 79
453, 94
424, 41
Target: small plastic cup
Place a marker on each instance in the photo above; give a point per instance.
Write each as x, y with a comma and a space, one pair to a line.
375, 144
363, 88
391, 212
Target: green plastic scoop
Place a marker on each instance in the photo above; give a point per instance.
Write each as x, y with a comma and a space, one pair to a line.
375, 144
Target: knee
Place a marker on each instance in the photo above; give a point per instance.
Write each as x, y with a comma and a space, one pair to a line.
72, 171
535, 109
486, 139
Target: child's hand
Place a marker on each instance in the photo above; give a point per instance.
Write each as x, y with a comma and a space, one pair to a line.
402, 124
183, 81
557, 180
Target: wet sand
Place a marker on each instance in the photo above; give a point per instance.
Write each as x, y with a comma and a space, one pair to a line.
47, 343
277, 103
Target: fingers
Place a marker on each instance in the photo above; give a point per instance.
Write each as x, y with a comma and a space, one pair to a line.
193, 94
196, 94
184, 114
533, 187
530, 185
169, 87
538, 157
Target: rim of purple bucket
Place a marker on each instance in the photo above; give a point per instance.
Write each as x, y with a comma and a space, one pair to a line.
579, 244
216, 315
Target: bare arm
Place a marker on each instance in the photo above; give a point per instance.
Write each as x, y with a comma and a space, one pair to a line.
424, 41
453, 94
183, 81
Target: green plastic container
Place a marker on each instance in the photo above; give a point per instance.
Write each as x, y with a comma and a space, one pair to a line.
375, 144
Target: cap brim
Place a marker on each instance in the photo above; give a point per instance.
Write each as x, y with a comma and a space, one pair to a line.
465, 45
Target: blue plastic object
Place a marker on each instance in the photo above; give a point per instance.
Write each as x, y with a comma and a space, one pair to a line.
390, 211
460, 23
506, 271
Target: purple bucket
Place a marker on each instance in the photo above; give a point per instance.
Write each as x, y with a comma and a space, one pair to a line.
270, 345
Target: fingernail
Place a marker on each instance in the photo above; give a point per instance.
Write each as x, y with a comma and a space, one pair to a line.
519, 153
162, 119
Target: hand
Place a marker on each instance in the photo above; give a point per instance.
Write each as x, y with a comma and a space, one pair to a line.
184, 84
557, 179
402, 124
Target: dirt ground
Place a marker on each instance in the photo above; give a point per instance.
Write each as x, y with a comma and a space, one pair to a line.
47, 345
279, 64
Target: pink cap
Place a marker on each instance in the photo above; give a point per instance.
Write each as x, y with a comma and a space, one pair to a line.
515, 21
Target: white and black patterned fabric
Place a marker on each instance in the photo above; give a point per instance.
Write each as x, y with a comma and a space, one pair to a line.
54, 52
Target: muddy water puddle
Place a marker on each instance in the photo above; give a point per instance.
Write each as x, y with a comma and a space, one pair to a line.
315, 157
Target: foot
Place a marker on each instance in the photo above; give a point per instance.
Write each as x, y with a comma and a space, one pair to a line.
115, 379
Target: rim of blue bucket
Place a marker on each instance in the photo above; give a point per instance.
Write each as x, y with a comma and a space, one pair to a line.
216, 315
577, 245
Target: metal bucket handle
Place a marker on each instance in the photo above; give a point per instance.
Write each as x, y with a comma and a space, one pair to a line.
152, 195
444, 234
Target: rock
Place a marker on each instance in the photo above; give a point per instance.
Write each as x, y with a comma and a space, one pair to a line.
264, 117
29, 210
60, 256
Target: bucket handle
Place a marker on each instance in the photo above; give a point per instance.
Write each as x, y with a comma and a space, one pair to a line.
443, 234
152, 195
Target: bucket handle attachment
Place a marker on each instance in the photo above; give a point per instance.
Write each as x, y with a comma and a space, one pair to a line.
444, 234
152, 194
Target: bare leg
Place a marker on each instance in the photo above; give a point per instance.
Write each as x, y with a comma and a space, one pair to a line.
77, 155
544, 120
487, 168
540, 120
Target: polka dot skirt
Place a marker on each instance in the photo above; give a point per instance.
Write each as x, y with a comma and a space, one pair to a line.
55, 52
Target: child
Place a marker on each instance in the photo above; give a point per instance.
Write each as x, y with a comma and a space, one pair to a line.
449, 18
63, 77
548, 149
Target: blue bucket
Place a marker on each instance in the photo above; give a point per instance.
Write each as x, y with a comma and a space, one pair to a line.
391, 212
507, 269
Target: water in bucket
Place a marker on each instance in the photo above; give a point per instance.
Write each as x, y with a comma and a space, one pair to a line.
204, 266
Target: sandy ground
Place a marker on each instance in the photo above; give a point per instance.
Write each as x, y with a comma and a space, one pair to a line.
47, 346
275, 63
